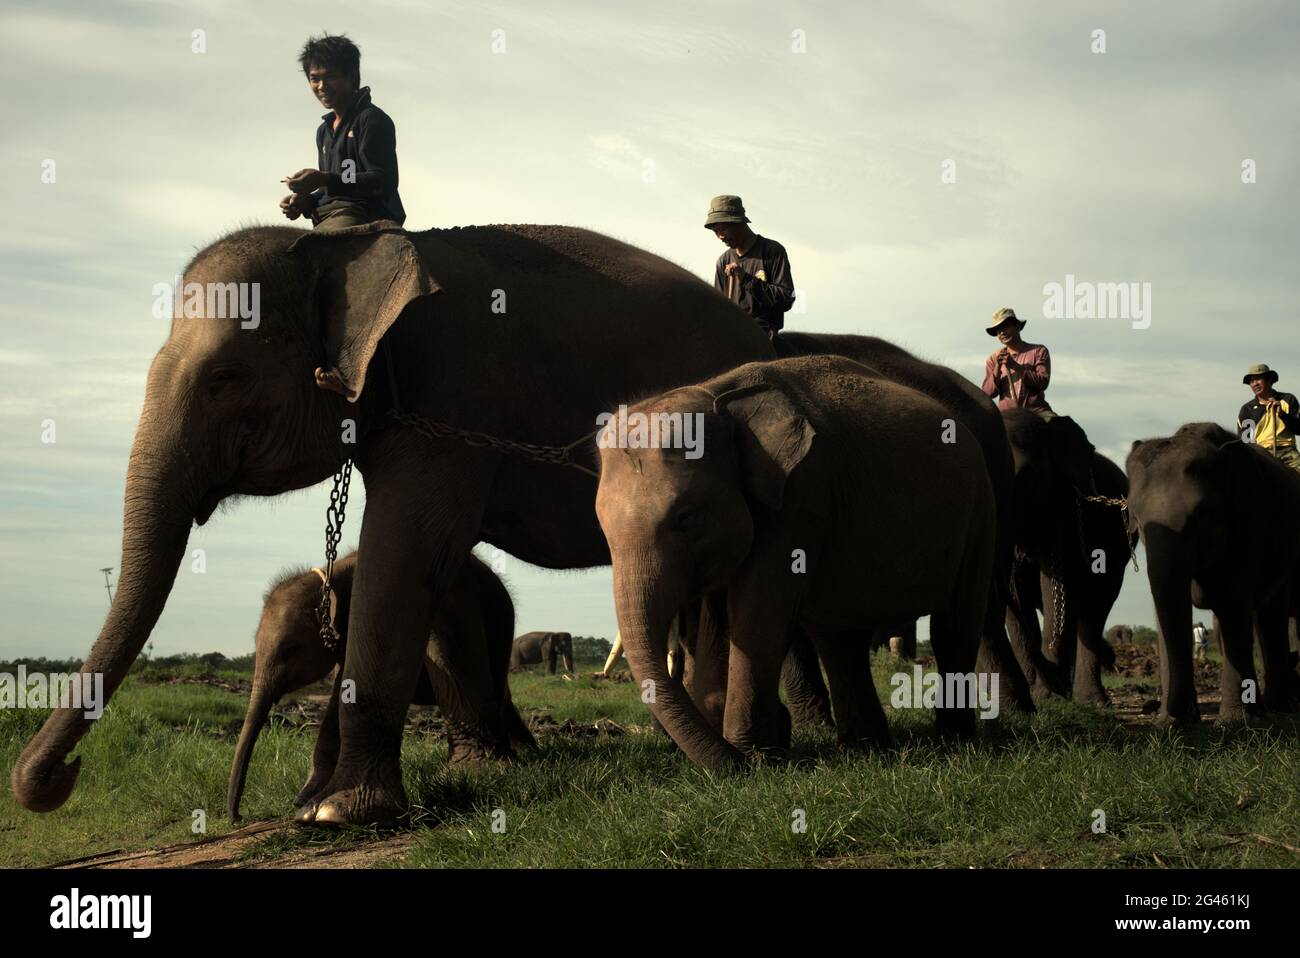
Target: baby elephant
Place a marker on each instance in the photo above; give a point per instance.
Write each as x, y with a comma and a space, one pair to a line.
806, 493
472, 691
534, 648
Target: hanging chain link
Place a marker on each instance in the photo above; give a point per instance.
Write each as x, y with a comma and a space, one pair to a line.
1122, 503
334, 517
551, 455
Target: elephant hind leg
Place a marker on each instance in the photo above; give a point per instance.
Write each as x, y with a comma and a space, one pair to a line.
859, 717
801, 677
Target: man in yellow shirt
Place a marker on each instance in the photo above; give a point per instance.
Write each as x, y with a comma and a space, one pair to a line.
1271, 419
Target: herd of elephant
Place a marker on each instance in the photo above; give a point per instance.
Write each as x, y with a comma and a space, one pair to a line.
846, 485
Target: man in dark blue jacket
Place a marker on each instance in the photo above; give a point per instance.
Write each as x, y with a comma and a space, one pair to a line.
356, 145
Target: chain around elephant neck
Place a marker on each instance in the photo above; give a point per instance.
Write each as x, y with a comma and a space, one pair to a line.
334, 517
1122, 503
551, 455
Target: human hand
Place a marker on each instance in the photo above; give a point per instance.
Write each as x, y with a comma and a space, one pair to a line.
734, 269
304, 181
293, 206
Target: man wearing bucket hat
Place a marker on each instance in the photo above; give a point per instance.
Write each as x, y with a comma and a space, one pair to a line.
1271, 419
754, 272
1017, 374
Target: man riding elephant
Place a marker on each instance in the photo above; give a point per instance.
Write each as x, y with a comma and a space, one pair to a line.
356, 146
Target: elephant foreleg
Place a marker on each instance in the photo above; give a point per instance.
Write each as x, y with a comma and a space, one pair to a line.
326, 754
1238, 684
411, 551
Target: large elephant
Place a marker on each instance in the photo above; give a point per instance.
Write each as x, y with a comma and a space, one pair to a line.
1220, 520
399, 351
534, 648
706, 665
472, 694
823, 497
969, 407
1071, 554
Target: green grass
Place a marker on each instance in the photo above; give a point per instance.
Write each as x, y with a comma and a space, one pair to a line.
1023, 795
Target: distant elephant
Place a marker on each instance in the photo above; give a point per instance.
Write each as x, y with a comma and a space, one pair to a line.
1070, 552
396, 350
822, 497
1220, 520
473, 695
899, 638
534, 648
1118, 635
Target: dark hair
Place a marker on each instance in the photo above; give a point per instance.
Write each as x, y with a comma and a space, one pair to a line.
333, 53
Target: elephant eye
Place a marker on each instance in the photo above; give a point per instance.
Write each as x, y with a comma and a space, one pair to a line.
686, 520
226, 379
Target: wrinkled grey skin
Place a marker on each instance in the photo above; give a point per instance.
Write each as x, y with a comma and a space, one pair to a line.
706, 668
232, 410
1220, 520
482, 721
1056, 467
801, 456
534, 648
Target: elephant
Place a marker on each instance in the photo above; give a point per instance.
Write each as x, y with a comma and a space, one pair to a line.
482, 721
1220, 520
969, 407
461, 370
534, 648
822, 497
801, 677
1071, 554
1118, 635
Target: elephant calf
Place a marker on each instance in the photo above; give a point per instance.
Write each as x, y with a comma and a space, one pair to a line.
813, 494
472, 692
1220, 520
534, 648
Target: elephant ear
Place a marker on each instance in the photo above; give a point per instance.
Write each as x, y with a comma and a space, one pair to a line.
367, 276
772, 435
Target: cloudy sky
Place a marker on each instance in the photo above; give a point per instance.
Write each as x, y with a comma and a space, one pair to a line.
835, 121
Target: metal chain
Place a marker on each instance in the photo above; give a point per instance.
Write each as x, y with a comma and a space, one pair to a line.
334, 517
1123, 518
551, 455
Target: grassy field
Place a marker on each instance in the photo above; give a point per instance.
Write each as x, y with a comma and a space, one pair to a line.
1024, 796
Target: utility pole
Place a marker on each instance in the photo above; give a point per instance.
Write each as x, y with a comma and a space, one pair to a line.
107, 585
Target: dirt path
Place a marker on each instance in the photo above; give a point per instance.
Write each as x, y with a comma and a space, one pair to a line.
228, 851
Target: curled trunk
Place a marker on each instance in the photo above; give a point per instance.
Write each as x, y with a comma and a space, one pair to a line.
645, 612
156, 524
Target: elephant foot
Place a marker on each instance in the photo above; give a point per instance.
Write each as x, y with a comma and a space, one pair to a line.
474, 749
955, 723
1092, 695
314, 787
373, 804
1041, 690
1164, 720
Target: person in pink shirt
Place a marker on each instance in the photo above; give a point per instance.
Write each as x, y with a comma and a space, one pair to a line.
1017, 374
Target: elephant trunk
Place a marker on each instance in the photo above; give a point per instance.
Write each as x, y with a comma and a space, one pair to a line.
646, 606
260, 702
156, 521
567, 652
